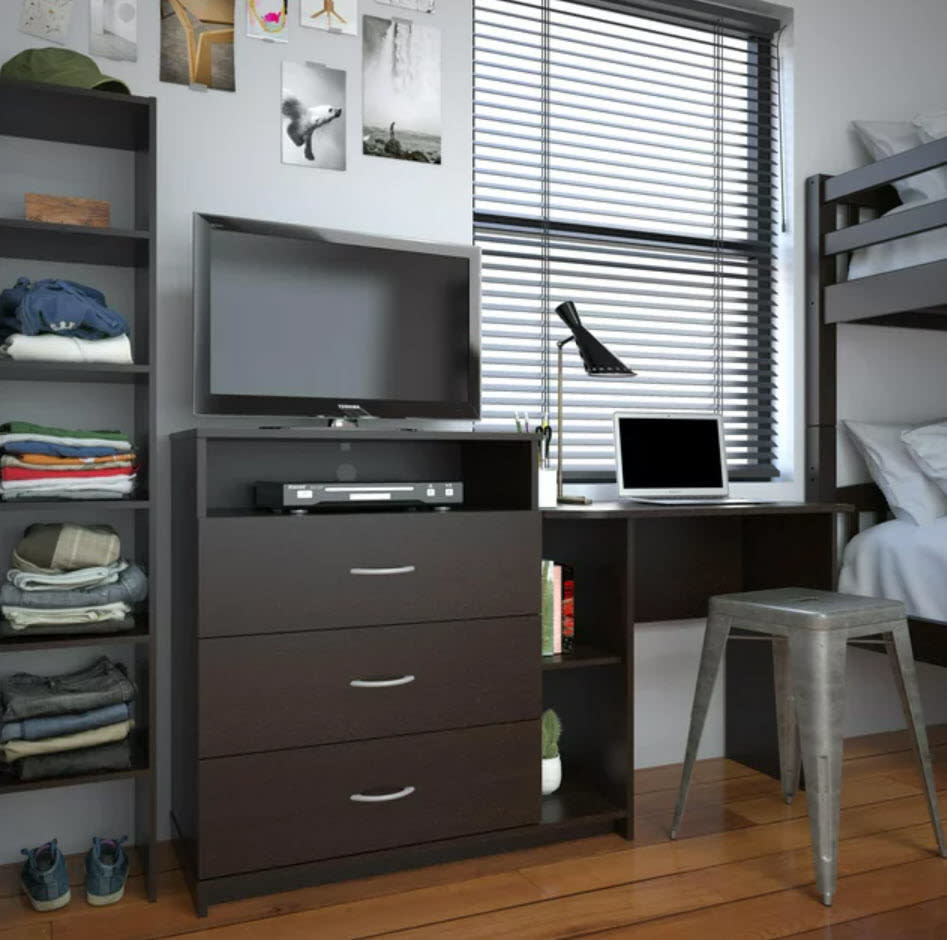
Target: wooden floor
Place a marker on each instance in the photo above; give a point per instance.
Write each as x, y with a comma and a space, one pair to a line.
742, 868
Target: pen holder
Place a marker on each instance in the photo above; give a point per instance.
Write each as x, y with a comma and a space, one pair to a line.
547, 487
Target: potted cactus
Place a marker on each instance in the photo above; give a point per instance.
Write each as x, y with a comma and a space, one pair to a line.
552, 765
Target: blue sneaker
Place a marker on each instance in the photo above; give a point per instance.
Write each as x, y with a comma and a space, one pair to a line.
106, 870
44, 877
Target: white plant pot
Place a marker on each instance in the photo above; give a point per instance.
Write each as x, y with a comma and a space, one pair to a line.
552, 774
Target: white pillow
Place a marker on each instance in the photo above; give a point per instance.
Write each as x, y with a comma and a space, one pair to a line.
931, 126
885, 139
928, 446
910, 494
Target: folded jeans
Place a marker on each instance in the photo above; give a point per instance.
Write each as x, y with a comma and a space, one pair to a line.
131, 587
34, 729
102, 682
87, 760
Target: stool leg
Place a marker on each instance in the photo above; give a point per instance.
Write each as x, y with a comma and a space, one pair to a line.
817, 662
787, 727
715, 641
901, 657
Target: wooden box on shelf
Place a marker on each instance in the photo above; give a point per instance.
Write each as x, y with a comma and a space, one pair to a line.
67, 210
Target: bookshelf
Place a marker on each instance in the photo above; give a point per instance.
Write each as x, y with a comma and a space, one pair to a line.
89, 133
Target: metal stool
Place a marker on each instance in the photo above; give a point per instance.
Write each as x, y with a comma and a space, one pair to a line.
810, 630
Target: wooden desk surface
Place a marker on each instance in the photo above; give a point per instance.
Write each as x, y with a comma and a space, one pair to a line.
629, 509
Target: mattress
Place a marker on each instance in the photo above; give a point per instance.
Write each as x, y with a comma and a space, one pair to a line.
901, 561
899, 253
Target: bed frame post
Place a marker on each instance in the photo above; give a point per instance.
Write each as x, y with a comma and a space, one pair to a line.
820, 365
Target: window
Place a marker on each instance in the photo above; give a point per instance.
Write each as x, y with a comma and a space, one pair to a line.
625, 158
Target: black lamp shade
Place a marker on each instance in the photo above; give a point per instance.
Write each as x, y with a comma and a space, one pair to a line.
595, 357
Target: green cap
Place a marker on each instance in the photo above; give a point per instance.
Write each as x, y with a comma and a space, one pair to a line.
59, 67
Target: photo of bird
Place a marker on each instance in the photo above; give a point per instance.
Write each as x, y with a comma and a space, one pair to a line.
303, 121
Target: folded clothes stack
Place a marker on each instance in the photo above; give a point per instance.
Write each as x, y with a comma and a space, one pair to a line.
68, 579
61, 321
41, 462
58, 726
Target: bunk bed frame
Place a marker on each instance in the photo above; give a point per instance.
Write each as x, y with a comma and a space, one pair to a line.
914, 297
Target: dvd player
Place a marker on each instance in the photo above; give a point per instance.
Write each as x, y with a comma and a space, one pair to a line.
300, 496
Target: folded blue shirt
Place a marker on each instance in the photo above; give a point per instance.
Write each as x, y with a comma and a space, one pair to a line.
60, 450
35, 729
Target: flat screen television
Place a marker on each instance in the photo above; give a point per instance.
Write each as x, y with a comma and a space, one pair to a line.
297, 321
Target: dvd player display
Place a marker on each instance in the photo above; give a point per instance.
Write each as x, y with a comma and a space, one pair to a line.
283, 496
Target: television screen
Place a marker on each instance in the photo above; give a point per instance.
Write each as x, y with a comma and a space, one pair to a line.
291, 320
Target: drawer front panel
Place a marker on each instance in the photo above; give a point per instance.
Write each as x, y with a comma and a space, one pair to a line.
286, 807
286, 573
299, 689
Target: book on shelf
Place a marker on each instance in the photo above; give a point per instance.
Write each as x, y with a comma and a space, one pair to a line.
568, 609
558, 608
548, 625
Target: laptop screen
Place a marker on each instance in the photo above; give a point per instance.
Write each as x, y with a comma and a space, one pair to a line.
670, 455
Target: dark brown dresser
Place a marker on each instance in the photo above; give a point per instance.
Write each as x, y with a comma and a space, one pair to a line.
357, 690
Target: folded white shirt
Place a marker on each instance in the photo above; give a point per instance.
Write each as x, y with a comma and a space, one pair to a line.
50, 347
122, 483
66, 580
22, 617
64, 494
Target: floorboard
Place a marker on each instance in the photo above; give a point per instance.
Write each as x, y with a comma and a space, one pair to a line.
742, 868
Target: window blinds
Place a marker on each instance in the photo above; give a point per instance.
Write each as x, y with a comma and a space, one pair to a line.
625, 159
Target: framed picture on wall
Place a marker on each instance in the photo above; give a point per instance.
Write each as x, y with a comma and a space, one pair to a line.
268, 19
333, 16
401, 89
113, 29
312, 108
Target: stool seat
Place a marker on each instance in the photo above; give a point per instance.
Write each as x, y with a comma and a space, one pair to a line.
809, 630
779, 610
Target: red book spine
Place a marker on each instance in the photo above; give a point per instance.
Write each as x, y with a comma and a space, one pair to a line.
568, 609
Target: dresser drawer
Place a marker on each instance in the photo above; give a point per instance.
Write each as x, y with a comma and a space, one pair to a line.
285, 807
296, 689
278, 574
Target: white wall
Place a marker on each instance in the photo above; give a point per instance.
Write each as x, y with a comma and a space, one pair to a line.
220, 152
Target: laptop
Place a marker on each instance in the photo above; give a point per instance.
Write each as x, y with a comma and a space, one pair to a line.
672, 458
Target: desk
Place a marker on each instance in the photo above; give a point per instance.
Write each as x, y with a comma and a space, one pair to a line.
637, 563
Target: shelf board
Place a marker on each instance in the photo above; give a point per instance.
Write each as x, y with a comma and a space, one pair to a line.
74, 116
57, 505
139, 768
138, 635
580, 658
575, 802
50, 241
13, 371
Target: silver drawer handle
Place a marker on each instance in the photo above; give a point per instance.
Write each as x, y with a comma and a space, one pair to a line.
380, 683
404, 569
381, 797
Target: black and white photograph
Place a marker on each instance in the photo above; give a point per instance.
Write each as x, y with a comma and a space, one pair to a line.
113, 29
312, 108
401, 89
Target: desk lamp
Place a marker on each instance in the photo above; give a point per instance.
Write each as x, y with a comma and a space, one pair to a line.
598, 362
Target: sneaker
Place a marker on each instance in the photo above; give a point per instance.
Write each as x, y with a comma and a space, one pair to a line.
44, 877
106, 870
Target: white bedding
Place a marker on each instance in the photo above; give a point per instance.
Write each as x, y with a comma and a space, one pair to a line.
901, 561
899, 253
